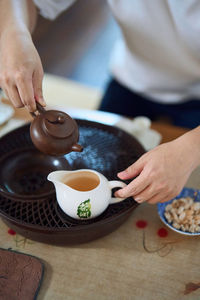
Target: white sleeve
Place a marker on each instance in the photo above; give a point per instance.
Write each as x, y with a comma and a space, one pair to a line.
50, 9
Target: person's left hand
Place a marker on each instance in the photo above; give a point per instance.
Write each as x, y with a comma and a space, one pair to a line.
162, 172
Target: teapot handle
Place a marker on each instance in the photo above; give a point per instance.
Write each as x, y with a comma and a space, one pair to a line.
40, 109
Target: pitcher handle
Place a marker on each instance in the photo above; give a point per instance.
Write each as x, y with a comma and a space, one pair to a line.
113, 184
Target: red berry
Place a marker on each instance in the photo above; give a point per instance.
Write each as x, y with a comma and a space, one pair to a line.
162, 232
141, 224
11, 232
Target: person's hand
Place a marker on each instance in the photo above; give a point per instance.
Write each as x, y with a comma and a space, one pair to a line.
21, 71
162, 172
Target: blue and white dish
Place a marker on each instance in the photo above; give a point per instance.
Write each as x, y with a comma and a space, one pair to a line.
186, 192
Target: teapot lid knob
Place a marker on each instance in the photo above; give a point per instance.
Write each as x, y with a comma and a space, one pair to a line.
58, 124
61, 119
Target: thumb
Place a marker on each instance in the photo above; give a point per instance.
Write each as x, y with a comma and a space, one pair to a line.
132, 171
37, 86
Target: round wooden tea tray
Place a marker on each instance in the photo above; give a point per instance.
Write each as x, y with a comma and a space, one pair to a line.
27, 202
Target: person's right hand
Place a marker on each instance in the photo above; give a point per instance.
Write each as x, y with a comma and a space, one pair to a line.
21, 71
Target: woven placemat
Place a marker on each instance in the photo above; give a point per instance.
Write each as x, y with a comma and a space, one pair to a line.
20, 275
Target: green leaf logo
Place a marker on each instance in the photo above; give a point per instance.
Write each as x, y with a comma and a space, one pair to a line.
84, 209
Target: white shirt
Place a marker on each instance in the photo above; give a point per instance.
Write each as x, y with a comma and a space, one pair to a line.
159, 53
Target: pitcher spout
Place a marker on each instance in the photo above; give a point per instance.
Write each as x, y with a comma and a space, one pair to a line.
57, 176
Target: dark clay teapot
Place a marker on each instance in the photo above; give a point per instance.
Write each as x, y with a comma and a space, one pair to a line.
54, 132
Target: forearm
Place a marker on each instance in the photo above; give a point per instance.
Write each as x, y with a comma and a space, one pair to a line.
190, 142
21, 71
17, 16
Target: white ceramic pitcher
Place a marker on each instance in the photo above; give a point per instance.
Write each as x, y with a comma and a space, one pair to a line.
84, 204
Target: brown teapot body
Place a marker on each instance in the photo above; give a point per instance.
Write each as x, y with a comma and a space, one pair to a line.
54, 132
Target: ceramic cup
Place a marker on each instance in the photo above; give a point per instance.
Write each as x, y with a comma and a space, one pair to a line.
84, 194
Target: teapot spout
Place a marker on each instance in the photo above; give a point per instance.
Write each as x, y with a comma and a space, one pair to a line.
77, 148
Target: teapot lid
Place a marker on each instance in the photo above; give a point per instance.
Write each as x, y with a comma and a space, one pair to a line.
58, 124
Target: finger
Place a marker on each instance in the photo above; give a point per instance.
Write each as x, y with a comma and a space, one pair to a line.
11, 93
132, 170
37, 86
146, 194
14, 97
168, 198
135, 187
4, 85
25, 89
158, 198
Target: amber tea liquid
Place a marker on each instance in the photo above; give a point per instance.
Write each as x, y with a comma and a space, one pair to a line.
82, 181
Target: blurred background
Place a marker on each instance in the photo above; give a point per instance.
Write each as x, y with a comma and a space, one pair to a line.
77, 45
